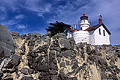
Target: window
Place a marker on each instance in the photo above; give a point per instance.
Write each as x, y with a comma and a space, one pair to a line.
81, 28
103, 32
99, 31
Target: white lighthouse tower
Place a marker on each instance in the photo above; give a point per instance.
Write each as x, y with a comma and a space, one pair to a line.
84, 24
82, 35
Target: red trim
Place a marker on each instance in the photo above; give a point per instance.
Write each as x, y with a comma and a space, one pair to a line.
83, 14
70, 29
90, 28
75, 29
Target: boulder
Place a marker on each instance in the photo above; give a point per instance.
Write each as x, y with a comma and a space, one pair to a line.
15, 59
64, 43
24, 71
67, 53
6, 41
27, 78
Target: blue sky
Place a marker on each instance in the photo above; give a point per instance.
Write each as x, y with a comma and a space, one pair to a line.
26, 16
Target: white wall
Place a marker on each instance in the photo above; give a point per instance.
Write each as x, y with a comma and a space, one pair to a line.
81, 36
100, 39
69, 34
92, 37
84, 24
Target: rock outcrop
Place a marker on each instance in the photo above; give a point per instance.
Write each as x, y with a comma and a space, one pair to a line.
44, 57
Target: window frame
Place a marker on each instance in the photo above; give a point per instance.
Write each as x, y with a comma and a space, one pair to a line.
103, 32
99, 31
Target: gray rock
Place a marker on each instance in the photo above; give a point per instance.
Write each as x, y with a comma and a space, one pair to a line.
15, 59
62, 64
48, 34
53, 72
59, 59
67, 63
16, 34
67, 53
54, 77
43, 67
24, 71
27, 78
60, 35
75, 65
64, 43
6, 39
2, 54
53, 66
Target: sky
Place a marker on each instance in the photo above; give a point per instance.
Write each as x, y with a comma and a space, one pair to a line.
27, 16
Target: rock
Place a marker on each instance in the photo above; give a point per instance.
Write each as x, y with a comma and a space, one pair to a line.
15, 34
58, 36
27, 78
53, 66
43, 67
55, 48
48, 34
62, 64
72, 42
2, 54
5, 36
75, 65
73, 78
34, 34
15, 59
6, 40
64, 43
67, 53
59, 59
36, 57
1, 74
67, 62
31, 71
24, 71
53, 72
54, 77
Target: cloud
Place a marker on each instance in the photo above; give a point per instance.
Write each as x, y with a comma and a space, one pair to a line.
67, 11
10, 22
9, 4
20, 16
37, 6
13, 21
21, 26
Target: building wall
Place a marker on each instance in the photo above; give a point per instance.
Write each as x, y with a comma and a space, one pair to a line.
81, 36
100, 39
92, 37
69, 34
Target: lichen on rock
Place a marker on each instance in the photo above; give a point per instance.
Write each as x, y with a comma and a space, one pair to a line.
47, 57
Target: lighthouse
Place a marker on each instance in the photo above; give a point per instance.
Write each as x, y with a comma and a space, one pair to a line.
95, 35
84, 24
82, 35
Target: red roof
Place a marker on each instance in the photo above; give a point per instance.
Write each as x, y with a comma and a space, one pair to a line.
91, 28
96, 26
72, 29
75, 29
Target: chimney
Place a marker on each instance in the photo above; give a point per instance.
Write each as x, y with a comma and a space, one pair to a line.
100, 20
75, 27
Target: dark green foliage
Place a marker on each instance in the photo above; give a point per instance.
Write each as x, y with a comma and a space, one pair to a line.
58, 27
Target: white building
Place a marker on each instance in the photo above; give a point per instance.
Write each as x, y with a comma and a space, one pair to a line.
95, 35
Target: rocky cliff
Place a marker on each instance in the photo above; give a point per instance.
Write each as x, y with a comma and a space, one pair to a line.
35, 57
